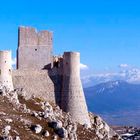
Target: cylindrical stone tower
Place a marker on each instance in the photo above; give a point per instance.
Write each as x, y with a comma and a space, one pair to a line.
73, 99
6, 69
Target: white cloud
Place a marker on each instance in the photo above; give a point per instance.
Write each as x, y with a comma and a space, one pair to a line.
123, 65
83, 66
98, 78
131, 75
14, 61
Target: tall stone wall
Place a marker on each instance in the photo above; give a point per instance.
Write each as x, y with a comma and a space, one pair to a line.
39, 83
73, 100
6, 69
34, 49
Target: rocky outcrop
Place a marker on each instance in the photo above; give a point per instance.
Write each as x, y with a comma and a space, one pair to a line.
22, 119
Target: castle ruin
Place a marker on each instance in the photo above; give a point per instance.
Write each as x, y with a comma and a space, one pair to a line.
40, 74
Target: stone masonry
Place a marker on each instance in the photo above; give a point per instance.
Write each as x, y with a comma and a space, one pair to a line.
34, 49
53, 78
6, 69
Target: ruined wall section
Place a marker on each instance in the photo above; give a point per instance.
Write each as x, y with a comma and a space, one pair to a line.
39, 83
34, 49
73, 99
6, 69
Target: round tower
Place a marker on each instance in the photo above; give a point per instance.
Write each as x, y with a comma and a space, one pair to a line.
73, 99
6, 69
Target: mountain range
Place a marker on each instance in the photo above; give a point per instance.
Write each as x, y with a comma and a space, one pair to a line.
115, 100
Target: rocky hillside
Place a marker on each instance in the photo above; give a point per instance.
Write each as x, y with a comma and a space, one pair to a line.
36, 119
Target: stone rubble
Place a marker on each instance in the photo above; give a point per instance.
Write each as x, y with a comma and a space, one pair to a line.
9, 120
37, 128
103, 131
6, 134
46, 133
17, 138
60, 122
6, 130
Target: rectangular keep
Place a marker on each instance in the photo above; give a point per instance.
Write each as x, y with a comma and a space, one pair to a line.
34, 49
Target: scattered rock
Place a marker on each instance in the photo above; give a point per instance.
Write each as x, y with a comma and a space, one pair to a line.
102, 130
55, 124
9, 120
17, 138
6, 130
61, 132
2, 113
35, 114
48, 110
36, 128
46, 133
54, 137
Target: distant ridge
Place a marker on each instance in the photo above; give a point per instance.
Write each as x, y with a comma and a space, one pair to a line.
113, 96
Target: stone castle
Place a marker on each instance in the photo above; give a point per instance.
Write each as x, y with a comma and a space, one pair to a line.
40, 74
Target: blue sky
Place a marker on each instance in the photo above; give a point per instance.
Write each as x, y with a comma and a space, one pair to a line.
106, 32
